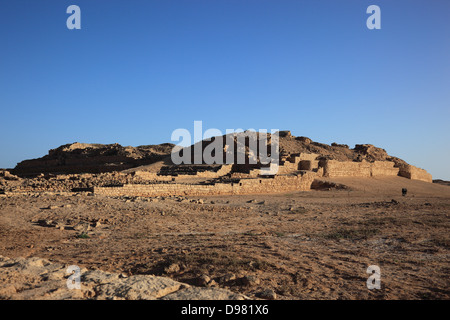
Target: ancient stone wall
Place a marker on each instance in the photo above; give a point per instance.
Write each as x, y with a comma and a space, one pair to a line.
152, 176
287, 167
224, 170
241, 175
244, 186
334, 168
384, 168
414, 173
307, 156
309, 164
294, 161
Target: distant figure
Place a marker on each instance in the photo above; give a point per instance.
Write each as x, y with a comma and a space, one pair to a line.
404, 191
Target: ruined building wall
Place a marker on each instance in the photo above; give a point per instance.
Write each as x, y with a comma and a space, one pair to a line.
334, 168
414, 173
309, 164
225, 169
287, 167
297, 160
244, 186
307, 156
151, 176
384, 168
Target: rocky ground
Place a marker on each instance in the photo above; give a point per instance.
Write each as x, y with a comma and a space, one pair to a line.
300, 245
36, 278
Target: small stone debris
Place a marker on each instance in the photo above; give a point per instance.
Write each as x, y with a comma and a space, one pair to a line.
82, 226
46, 223
268, 294
212, 283
203, 280
250, 280
227, 278
173, 268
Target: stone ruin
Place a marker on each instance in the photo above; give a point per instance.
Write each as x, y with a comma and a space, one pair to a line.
296, 173
296, 170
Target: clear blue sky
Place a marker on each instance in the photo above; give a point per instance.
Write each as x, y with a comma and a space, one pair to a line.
139, 69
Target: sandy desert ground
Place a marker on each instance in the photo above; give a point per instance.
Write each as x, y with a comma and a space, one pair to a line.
298, 245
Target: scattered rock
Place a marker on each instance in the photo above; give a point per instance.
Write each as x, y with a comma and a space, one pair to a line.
334, 144
203, 280
195, 293
268, 294
213, 283
82, 226
268, 245
250, 280
46, 223
173, 268
227, 278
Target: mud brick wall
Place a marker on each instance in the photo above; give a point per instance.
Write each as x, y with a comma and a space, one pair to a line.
241, 175
309, 164
244, 186
384, 168
414, 173
152, 176
289, 167
225, 169
334, 168
307, 156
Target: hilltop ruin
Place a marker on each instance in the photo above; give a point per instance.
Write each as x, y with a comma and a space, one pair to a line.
148, 171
